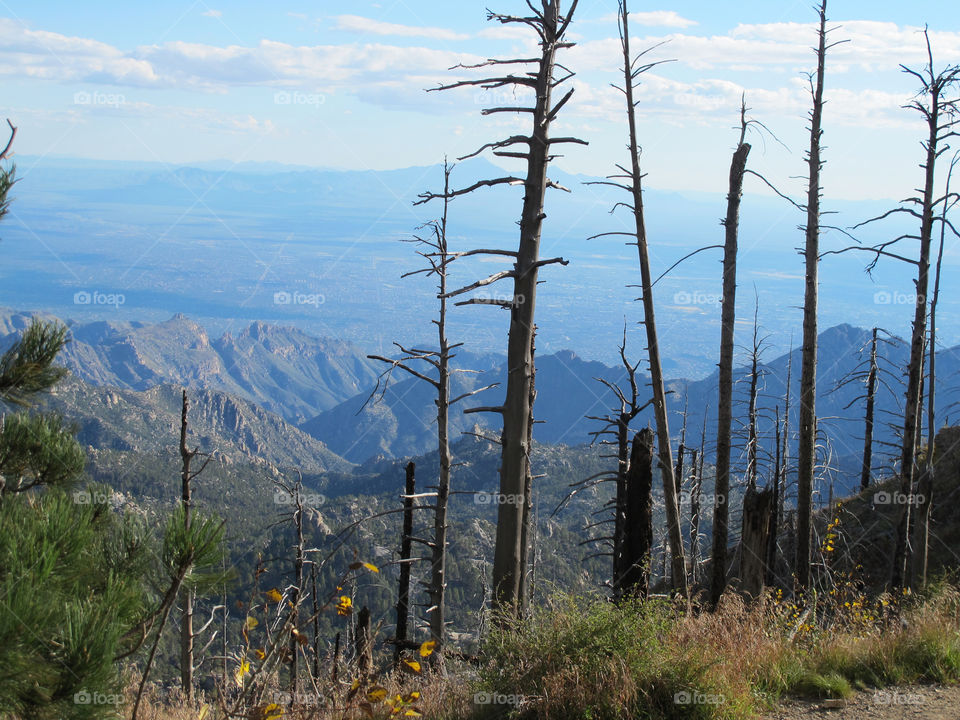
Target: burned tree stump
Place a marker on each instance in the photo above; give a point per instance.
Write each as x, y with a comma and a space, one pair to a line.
638, 521
363, 644
754, 542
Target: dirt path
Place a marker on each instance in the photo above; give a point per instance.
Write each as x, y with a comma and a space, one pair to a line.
907, 703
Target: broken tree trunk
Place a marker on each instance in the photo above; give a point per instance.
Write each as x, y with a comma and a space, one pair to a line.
807, 446
406, 543
638, 525
866, 467
754, 541
728, 314
672, 509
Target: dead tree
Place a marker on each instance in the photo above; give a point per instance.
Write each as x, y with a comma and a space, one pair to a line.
633, 177
939, 105
187, 635
537, 150
754, 540
406, 545
728, 312
807, 446
695, 491
638, 534
438, 259
867, 466
925, 485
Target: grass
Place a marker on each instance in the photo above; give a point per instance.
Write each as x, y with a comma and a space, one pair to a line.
584, 658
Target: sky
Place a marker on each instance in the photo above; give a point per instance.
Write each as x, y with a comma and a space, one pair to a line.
342, 85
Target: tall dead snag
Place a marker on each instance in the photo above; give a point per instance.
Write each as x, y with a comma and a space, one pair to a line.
695, 490
866, 468
617, 424
632, 71
540, 80
939, 105
638, 535
525, 537
921, 539
807, 444
728, 316
438, 259
406, 546
187, 635
754, 540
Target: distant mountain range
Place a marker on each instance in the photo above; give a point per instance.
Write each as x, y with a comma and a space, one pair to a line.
289, 399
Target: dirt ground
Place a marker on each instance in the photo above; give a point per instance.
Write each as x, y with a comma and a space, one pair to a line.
904, 703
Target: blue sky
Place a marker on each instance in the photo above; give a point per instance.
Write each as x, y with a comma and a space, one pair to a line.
341, 84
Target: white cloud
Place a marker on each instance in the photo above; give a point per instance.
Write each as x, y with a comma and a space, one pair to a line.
661, 18
358, 24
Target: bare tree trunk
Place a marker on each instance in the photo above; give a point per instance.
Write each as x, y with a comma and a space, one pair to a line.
807, 450
664, 450
406, 544
753, 440
516, 410
364, 645
638, 539
754, 541
867, 466
528, 490
295, 593
186, 618
620, 503
771, 558
925, 486
728, 315
912, 412
695, 492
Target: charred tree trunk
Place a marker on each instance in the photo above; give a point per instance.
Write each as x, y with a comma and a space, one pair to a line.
528, 490
728, 314
406, 544
678, 564
754, 541
186, 618
638, 538
807, 448
363, 644
516, 410
771, 556
938, 131
867, 466
695, 493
